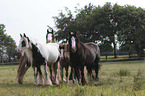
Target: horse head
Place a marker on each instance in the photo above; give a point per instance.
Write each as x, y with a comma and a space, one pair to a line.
73, 39
50, 36
64, 50
25, 46
23, 43
61, 48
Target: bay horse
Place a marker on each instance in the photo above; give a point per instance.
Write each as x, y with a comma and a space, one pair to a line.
65, 62
41, 53
83, 54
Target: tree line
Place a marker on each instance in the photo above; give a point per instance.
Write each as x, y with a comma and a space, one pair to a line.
7, 46
108, 24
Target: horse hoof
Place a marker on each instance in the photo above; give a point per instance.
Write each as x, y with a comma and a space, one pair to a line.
35, 83
48, 85
56, 83
39, 84
64, 80
20, 81
97, 79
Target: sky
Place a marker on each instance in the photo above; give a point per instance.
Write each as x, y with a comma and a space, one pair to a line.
32, 16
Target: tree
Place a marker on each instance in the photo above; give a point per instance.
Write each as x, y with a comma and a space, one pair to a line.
107, 19
111, 23
105, 47
133, 28
7, 44
63, 24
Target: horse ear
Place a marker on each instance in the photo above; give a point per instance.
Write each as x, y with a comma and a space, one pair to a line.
47, 31
20, 35
69, 33
28, 39
75, 33
52, 31
24, 35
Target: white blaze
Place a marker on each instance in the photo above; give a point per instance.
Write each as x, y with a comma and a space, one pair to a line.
73, 43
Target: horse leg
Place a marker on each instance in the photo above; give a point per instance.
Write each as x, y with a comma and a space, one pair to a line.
35, 76
89, 69
67, 77
74, 78
77, 73
97, 70
56, 72
47, 79
71, 74
61, 73
40, 82
83, 80
50, 68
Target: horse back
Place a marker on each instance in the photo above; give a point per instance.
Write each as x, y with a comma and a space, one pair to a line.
92, 51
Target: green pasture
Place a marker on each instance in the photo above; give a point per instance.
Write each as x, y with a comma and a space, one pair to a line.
116, 79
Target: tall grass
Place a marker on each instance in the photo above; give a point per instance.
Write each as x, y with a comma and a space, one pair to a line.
113, 82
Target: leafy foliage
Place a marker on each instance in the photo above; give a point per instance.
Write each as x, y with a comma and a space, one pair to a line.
112, 23
7, 44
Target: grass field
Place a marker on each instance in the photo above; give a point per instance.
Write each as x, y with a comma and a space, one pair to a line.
122, 79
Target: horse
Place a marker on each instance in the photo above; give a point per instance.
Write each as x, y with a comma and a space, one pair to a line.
24, 64
50, 38
65, 62
83, 54
46, 54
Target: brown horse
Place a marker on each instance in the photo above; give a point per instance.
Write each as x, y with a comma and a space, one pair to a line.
81, 55
65, 62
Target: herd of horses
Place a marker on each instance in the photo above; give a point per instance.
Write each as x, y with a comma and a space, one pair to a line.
74, 54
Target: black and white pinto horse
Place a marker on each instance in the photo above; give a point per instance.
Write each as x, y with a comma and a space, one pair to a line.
42, 54
24, 63
83, 54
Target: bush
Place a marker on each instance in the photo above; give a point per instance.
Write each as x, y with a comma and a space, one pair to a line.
123, 72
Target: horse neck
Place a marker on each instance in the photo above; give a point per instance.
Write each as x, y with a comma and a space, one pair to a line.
79, 43
53, 39
28, 54
66, 49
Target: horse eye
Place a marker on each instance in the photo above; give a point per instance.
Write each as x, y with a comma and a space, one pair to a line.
23, 44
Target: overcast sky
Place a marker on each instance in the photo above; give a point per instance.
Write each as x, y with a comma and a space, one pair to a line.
33, 16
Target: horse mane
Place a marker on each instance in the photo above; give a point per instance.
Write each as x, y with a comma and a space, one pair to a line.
37, 47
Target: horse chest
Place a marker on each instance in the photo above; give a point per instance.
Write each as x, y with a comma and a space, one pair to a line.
76, 59
28, 53
37, 56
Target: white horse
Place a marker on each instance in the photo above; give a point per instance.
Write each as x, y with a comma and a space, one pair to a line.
42, 54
